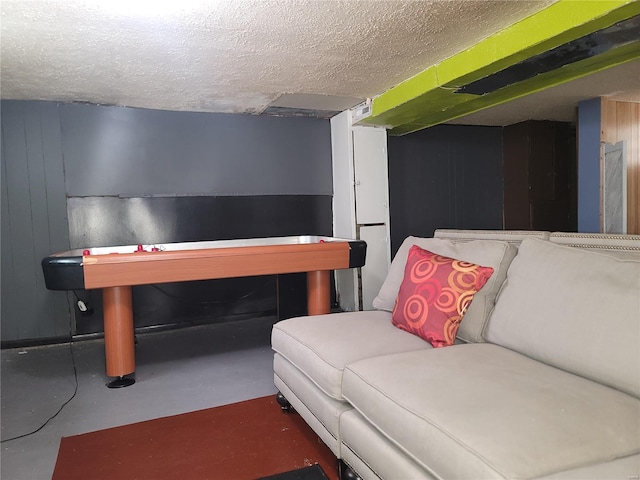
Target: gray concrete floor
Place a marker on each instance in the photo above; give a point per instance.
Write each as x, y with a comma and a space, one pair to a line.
176, 371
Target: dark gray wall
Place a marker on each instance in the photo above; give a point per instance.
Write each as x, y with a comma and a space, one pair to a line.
34, 219
97, 221
447, 176
54, 154
136, 152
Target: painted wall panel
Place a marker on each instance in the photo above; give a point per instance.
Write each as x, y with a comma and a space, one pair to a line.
33, 220
344, 212
448, 176
375, 270
265, 168
361, 201
370, 168
96, 221
589, 166
136, 152
344, 216
539, 164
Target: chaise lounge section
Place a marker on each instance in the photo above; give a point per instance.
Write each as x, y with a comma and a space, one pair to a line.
542, 381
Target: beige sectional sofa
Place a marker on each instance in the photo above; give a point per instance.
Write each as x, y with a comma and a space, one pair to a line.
543, 380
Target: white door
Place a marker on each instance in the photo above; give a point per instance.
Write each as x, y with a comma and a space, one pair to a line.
370, 170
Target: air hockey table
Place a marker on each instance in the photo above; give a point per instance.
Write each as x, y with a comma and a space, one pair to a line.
114, 270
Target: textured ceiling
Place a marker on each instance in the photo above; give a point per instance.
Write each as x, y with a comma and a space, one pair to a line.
235, 56
223, 56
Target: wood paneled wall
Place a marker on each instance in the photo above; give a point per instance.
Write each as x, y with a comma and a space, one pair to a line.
621, 122
446, 176
34, 220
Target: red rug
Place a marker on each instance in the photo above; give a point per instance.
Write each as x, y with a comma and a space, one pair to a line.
242, 441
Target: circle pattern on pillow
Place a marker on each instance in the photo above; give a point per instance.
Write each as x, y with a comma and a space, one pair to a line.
435, 294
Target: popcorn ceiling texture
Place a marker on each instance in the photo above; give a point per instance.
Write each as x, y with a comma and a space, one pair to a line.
233, 57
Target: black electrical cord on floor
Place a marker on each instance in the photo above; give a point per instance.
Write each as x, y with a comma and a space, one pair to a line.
75, 390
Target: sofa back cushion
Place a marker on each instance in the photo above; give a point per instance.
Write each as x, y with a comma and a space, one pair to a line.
615, 245
574, 309
511, 236
489, 253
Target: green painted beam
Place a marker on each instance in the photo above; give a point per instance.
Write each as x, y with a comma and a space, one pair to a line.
428, 98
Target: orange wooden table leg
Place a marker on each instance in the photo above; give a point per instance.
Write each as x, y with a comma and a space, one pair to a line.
318, 298
118, 331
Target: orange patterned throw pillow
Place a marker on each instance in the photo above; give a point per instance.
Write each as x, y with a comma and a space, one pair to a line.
435, 294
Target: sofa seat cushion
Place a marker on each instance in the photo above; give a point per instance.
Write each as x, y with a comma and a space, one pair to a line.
483, 411
321, 345
575, 309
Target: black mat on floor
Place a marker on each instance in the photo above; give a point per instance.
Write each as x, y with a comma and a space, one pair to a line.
313, 472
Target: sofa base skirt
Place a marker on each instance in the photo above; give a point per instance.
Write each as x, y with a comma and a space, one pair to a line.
376, 456
320, 411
